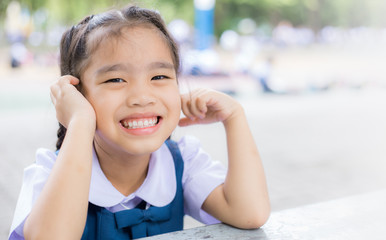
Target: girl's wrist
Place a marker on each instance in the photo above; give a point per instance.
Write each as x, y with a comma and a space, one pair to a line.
236, 115
83, 122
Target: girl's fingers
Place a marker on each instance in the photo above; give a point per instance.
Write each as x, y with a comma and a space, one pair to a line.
63, 81
207, 106
52, 95
202, 105
189, 107
194, 104
185, 106
68, 79
74, 80
54, 89
196, 98
185, 122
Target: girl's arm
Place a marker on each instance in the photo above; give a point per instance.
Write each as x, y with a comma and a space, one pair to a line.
242, 201
60, 211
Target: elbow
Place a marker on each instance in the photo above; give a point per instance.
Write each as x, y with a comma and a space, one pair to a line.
255, 222
255, 218
259, 221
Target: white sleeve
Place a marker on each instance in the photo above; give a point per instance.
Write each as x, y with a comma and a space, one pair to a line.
200, 177
35, 176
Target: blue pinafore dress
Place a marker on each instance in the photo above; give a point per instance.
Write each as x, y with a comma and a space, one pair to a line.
139, 222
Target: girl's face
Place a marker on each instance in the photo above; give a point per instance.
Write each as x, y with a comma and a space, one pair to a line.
132, 85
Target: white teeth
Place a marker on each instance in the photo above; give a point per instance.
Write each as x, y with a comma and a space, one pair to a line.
140, 123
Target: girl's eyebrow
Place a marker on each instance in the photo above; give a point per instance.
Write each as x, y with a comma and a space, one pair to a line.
122, 67
156, 65
110, 68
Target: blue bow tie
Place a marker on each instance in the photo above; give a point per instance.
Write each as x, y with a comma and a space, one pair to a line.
137, 219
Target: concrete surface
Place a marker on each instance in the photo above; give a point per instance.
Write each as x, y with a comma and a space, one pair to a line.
352, 218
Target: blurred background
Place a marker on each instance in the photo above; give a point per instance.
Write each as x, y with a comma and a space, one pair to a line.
310, 74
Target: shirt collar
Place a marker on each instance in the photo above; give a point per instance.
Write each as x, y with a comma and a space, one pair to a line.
158, 189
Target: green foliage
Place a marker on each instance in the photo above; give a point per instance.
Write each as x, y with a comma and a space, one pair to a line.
172, 9
228, 13
311, 13
71, 11
3, 8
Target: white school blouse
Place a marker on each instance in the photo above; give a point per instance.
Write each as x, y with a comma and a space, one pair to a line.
200, 177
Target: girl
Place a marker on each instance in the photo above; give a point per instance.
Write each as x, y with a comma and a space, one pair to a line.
116, 174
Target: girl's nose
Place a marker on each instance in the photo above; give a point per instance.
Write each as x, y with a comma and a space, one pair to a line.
140, 96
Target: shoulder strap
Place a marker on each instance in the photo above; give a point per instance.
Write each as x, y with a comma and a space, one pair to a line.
177, 157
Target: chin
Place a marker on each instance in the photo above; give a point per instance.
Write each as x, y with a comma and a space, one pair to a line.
142, 147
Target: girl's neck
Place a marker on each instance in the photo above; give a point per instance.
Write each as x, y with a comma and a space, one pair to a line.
125, 172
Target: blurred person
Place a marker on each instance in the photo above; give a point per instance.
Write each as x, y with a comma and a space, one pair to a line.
18, 54
247, 52
243, 47
17, 27
116, 173
263, 73
284, 34
13, 23
202, 63
229, 40
183, 35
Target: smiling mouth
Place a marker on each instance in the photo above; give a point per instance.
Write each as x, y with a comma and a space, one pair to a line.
140, 122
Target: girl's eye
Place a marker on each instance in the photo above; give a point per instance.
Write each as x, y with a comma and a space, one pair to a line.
159, 77
115, 80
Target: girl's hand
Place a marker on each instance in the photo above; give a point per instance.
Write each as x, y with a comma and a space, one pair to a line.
69, 102
204, 106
